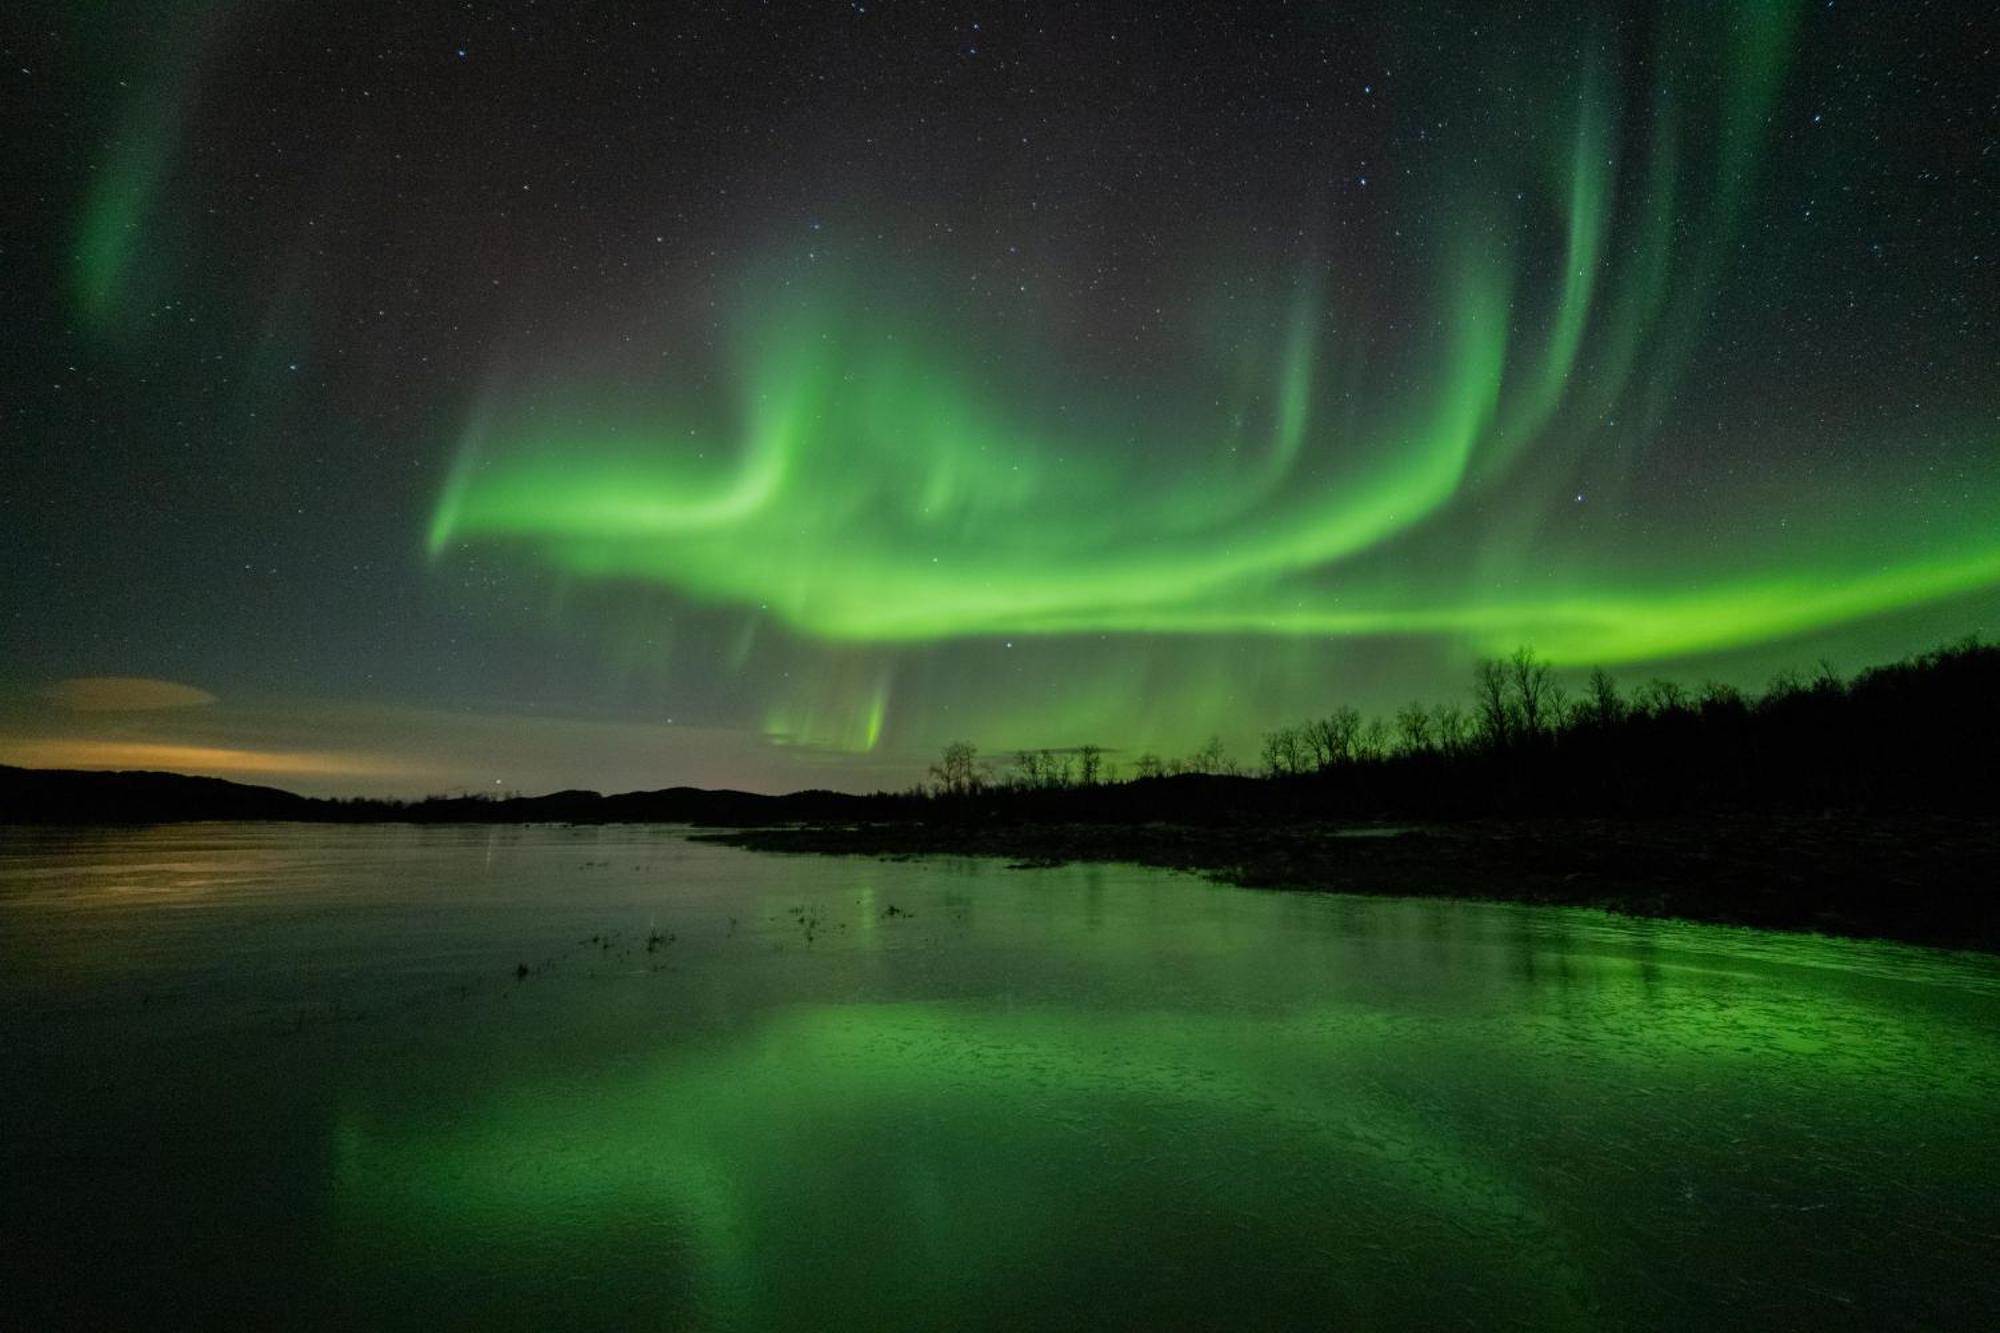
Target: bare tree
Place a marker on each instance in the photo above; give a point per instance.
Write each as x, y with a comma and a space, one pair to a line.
1089, 765
1491, 704
1450, 721
1344, 729
1561, 709
1784, 685
1282, 754
1413, 727
1210, 758
1331, 740
1660, 697
1532, 682
957, 771
1718, 699
1149, 765
1603, 706
1315, 745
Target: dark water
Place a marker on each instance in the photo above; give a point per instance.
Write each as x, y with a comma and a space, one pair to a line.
288, 1075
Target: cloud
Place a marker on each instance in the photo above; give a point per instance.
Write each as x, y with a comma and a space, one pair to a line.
123, 694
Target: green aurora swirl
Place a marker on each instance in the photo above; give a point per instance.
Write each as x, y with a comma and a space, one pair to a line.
889, 468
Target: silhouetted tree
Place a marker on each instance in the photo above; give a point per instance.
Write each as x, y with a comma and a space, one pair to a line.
1559, 709
1210, 758
1895, 733
1532, 683
1315, 745
1284, 752
1490, 703
957, 770
1413, 726
1452, 728
1089, 765
1330, 740
1719, 700
1660, 698
1040, 770
1602, 706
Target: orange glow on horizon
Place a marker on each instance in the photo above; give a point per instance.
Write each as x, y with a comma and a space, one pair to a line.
200, 760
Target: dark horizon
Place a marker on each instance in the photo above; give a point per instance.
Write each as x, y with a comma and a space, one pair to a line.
1525, 741
1509, 699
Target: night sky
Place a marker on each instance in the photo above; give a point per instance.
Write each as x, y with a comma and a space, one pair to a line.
406, 397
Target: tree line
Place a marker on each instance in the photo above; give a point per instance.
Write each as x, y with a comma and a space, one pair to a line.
1525, 740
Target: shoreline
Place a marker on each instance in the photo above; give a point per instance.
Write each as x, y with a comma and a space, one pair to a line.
1924, 880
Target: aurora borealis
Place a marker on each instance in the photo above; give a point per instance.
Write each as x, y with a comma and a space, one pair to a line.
790, 393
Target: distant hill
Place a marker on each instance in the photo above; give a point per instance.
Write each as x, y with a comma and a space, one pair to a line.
669, 805
71, 796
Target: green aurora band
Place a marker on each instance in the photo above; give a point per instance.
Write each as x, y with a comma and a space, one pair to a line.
885, 470
885, 513
131, 227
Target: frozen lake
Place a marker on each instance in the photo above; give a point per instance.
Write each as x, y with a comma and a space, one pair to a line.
298, 1075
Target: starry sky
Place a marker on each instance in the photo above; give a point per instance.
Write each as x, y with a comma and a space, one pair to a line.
415, 397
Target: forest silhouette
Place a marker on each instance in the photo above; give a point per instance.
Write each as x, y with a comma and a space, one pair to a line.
1916, 735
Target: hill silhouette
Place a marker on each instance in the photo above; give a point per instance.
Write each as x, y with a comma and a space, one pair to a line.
75, 796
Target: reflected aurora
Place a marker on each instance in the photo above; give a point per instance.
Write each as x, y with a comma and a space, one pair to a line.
1089, 1095
944, 1142
720, 1150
